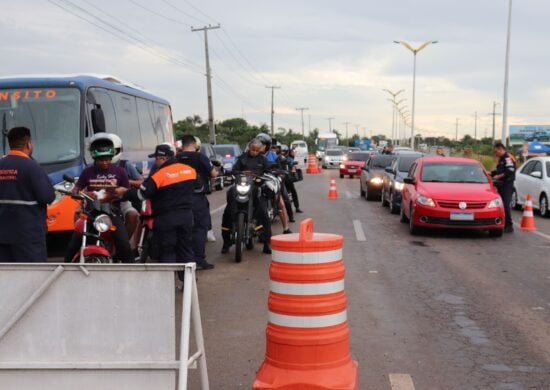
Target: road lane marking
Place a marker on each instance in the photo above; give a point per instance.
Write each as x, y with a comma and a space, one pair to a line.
218, 209
359, 233
540, 234
401, 382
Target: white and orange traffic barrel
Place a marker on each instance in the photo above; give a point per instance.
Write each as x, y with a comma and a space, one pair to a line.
332, 193
312, 165
307, 336
528, 219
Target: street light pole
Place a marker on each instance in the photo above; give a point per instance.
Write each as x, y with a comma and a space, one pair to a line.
346, 124
415, 52
394, 113
506, 71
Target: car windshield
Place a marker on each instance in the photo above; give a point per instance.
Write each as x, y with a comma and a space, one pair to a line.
382, 161
335, 152
52, 115
300, 145
453, 173
225, 150
406, 162
358, 156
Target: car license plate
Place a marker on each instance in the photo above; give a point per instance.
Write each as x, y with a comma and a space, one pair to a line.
462, 216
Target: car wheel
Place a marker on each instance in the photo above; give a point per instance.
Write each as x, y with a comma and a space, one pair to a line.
361, 191
514, 203
413, 229
341, 176
496, 233
393, 207
403, 218
351, 176
543, 206
383, 198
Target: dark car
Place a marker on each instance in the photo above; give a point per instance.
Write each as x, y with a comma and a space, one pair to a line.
393, 180
538, 136
371, 175
229, 154
217, 182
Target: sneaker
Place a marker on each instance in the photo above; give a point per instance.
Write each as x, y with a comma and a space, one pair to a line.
205, 265
210, 237
509, 229
299, 210
287, 231
291, 220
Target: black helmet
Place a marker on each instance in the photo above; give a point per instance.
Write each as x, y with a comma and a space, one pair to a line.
265, 139
284, 148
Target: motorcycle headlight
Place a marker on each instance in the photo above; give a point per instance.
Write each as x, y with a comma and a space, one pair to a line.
398, 185
103, 223
64, 185
425, 201
376, 180
495, 203
242, 189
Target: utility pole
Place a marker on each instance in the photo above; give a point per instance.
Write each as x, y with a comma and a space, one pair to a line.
357, 130
494, 113
456, 136
273, 88
346, 124
506, 72
302, 109
212, 130
330, 124
475, 127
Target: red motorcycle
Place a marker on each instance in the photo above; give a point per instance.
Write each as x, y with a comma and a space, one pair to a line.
147, 247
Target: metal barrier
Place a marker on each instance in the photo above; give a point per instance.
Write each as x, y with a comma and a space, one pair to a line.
97, 326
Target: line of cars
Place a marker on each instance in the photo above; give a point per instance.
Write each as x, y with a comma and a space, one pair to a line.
436, 192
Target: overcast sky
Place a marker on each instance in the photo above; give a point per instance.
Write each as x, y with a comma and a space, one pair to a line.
334, 57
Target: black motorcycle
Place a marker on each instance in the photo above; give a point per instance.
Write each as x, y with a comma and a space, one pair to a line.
244, 219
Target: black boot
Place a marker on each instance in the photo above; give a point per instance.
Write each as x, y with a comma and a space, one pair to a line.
267, 248
226, 235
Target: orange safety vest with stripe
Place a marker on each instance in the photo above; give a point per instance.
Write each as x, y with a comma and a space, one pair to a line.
170, 188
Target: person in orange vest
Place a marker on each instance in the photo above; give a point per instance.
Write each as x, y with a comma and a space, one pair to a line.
505, 174
171, 190
25, 191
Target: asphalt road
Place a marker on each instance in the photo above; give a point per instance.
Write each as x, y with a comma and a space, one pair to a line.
448, 310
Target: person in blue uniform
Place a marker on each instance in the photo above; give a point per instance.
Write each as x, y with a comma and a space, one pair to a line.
25, 191
505, 174
201, 207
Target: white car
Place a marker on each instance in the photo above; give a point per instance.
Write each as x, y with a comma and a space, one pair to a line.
333, 158
533, 178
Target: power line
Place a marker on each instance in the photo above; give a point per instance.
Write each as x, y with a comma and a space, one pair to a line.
184, 12
159, 14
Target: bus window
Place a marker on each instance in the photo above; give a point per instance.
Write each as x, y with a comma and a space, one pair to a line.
104, 99
164, 120
149, 136
128, 124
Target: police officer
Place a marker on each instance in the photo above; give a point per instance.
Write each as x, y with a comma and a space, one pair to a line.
201, 207
506, 174
25, 191
170, 189
250, 161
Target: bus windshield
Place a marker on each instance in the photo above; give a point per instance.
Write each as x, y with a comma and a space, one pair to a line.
52, 115
326, 143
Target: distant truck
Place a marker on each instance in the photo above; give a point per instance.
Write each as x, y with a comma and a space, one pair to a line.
300, 153
325, 141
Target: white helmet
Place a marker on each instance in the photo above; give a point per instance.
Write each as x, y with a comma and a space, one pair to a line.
198, 140
112, 138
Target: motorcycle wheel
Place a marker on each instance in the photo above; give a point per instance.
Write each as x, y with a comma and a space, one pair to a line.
146, 250
240, 238
98, 259
250, 243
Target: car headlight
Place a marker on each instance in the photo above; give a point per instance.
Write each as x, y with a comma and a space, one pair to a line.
425, 201
376, 180
345, 158
103, 223
342, 166
398, 185
242, 189
495, 203
327, 158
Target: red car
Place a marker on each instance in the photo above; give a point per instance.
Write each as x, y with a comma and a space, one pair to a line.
448, 192
352, 163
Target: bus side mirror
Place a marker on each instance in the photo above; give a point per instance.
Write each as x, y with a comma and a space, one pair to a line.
98, 120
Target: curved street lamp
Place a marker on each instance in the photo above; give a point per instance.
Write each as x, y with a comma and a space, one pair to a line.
394, 113
415, 52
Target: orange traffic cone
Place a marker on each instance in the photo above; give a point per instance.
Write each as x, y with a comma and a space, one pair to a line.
307, 336
332, 194
528, 220
312, 165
